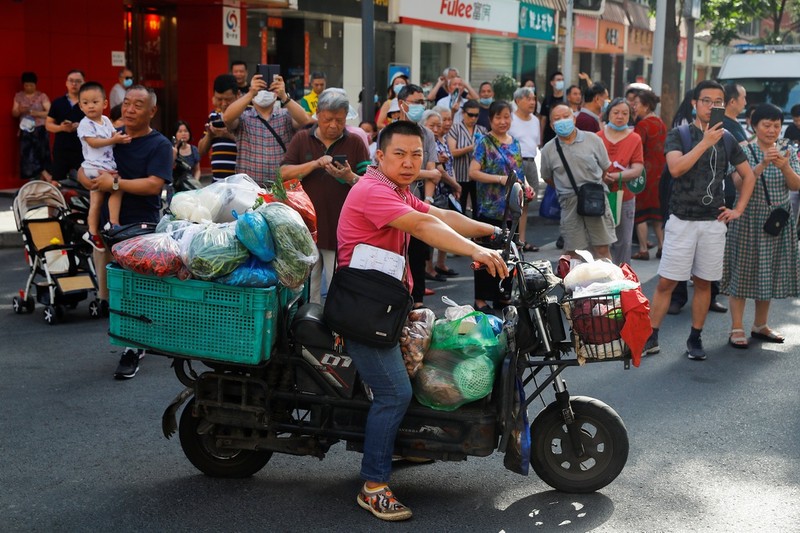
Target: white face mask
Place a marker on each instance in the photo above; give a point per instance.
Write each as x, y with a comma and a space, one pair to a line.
264, 99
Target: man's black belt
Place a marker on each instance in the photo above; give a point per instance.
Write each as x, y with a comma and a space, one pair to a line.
528, 158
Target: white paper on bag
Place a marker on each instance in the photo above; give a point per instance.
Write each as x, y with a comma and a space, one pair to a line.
368, 257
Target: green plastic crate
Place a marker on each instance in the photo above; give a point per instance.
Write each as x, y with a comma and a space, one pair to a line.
194, 318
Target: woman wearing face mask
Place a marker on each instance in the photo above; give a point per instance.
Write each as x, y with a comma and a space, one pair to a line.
624, 148
496, 154
398, 81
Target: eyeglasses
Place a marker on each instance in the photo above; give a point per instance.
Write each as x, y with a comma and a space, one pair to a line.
473, 115
414, 102
74, 82
128, 77
708, 101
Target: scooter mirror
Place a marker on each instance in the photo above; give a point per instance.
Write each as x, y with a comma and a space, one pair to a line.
515, 201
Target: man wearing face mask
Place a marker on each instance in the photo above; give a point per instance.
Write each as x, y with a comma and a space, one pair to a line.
553, 97
455, 98
588, 160
595, 99
486, 97
117, 94
263, 132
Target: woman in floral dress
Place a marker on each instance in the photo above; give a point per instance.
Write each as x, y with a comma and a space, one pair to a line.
760, 266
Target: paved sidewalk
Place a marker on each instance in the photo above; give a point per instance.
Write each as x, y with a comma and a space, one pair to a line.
9, 236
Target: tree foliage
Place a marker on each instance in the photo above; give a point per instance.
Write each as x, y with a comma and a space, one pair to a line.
724, 18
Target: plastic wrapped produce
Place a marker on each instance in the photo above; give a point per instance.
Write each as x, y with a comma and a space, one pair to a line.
472, 335
216, 202
251, 273
187, 206
215, 251
585, 274
295, 251
416, 338
154, 254
291, 193
173, 226
253, 231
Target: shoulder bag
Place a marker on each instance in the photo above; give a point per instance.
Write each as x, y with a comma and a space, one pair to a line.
778, 217
591, 196
367, 306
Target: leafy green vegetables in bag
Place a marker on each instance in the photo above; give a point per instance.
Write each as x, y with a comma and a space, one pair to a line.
295, 251
215, 251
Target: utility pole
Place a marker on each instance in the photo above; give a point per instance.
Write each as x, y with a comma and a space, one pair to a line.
691, 12
568, 45
657, 77
368, 58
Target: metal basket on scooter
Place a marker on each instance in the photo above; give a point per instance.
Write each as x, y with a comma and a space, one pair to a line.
596, 322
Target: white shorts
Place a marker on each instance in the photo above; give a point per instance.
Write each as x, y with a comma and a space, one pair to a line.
692, 248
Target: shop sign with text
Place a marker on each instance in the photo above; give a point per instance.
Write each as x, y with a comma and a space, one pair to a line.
585, 29
640, 42
498, 17
611, 38
536, 22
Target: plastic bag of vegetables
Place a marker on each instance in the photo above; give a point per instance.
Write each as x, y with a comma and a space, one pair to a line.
154, 254
173, 226
295, 251
234, 193
253, 231
251, 273
291, 193
215, 251
188, 206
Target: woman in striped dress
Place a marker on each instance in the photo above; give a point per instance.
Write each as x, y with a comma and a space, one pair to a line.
463, 138
758, 265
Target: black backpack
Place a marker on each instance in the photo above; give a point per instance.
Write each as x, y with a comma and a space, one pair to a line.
665, 185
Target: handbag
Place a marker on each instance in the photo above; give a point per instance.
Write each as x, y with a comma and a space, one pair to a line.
549, 208
779, 216
615, 203
117, 234
367, 306
591, 196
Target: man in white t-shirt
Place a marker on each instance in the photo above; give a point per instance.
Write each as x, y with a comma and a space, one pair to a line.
455, 99
526, 129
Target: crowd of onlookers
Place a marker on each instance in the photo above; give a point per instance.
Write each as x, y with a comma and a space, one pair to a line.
553, 143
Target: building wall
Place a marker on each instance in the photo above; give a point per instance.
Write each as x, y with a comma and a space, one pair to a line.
51, 37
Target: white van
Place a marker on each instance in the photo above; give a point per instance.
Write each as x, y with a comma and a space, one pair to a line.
769, 73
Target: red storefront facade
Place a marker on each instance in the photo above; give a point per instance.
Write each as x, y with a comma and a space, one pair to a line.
174, 46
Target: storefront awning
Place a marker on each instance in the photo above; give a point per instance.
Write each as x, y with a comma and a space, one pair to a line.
615, 13
638, 14
558, 5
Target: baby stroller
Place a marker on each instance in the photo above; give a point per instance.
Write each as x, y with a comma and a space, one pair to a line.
56, 255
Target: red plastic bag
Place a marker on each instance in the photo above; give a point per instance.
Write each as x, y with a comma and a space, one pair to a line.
154, 254
291, 193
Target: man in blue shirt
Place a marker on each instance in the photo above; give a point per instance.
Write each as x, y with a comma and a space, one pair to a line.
144, 166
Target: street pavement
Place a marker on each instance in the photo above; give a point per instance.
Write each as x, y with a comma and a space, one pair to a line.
713, 445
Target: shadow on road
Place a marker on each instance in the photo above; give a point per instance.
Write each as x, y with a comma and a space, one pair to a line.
556, 511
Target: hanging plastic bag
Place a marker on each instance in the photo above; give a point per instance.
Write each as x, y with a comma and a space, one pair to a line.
471, 335
251, 273
415, 339
154, 254
295, 251
253, 231
550, 208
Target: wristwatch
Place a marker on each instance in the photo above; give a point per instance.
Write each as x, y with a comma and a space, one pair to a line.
115, 185
286, 101
429, 199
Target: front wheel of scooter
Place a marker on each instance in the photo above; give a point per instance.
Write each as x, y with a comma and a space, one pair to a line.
605, 443
203, 453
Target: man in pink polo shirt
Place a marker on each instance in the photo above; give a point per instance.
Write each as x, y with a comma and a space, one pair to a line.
382, 212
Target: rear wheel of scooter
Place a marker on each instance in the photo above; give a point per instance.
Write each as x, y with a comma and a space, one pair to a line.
202, 452
604, 439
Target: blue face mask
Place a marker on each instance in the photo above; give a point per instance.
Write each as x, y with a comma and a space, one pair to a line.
617, 128
127, 83
564, 127
605, 106
415, 112
486, 101
376, 98
396, 88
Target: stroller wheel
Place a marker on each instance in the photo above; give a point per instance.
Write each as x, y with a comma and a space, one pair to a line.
51, 315
18, 305
30, 304
98, 308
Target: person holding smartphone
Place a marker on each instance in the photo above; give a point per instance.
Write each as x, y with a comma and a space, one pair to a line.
698, 218
328, 160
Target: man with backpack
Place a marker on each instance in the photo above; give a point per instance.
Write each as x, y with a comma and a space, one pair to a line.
694, 236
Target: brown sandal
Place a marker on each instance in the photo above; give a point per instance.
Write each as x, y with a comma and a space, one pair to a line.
644, 256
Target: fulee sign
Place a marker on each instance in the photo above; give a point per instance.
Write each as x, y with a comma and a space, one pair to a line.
498, 17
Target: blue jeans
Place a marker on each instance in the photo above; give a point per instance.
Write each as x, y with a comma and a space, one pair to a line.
383, 370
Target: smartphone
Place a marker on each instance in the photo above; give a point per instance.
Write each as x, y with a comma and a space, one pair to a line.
268, 72
218, 124
783, 146
340, 159
717, 113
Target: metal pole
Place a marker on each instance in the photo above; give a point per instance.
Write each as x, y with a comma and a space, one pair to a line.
368, 59
657, 78
568, 46
688, 78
